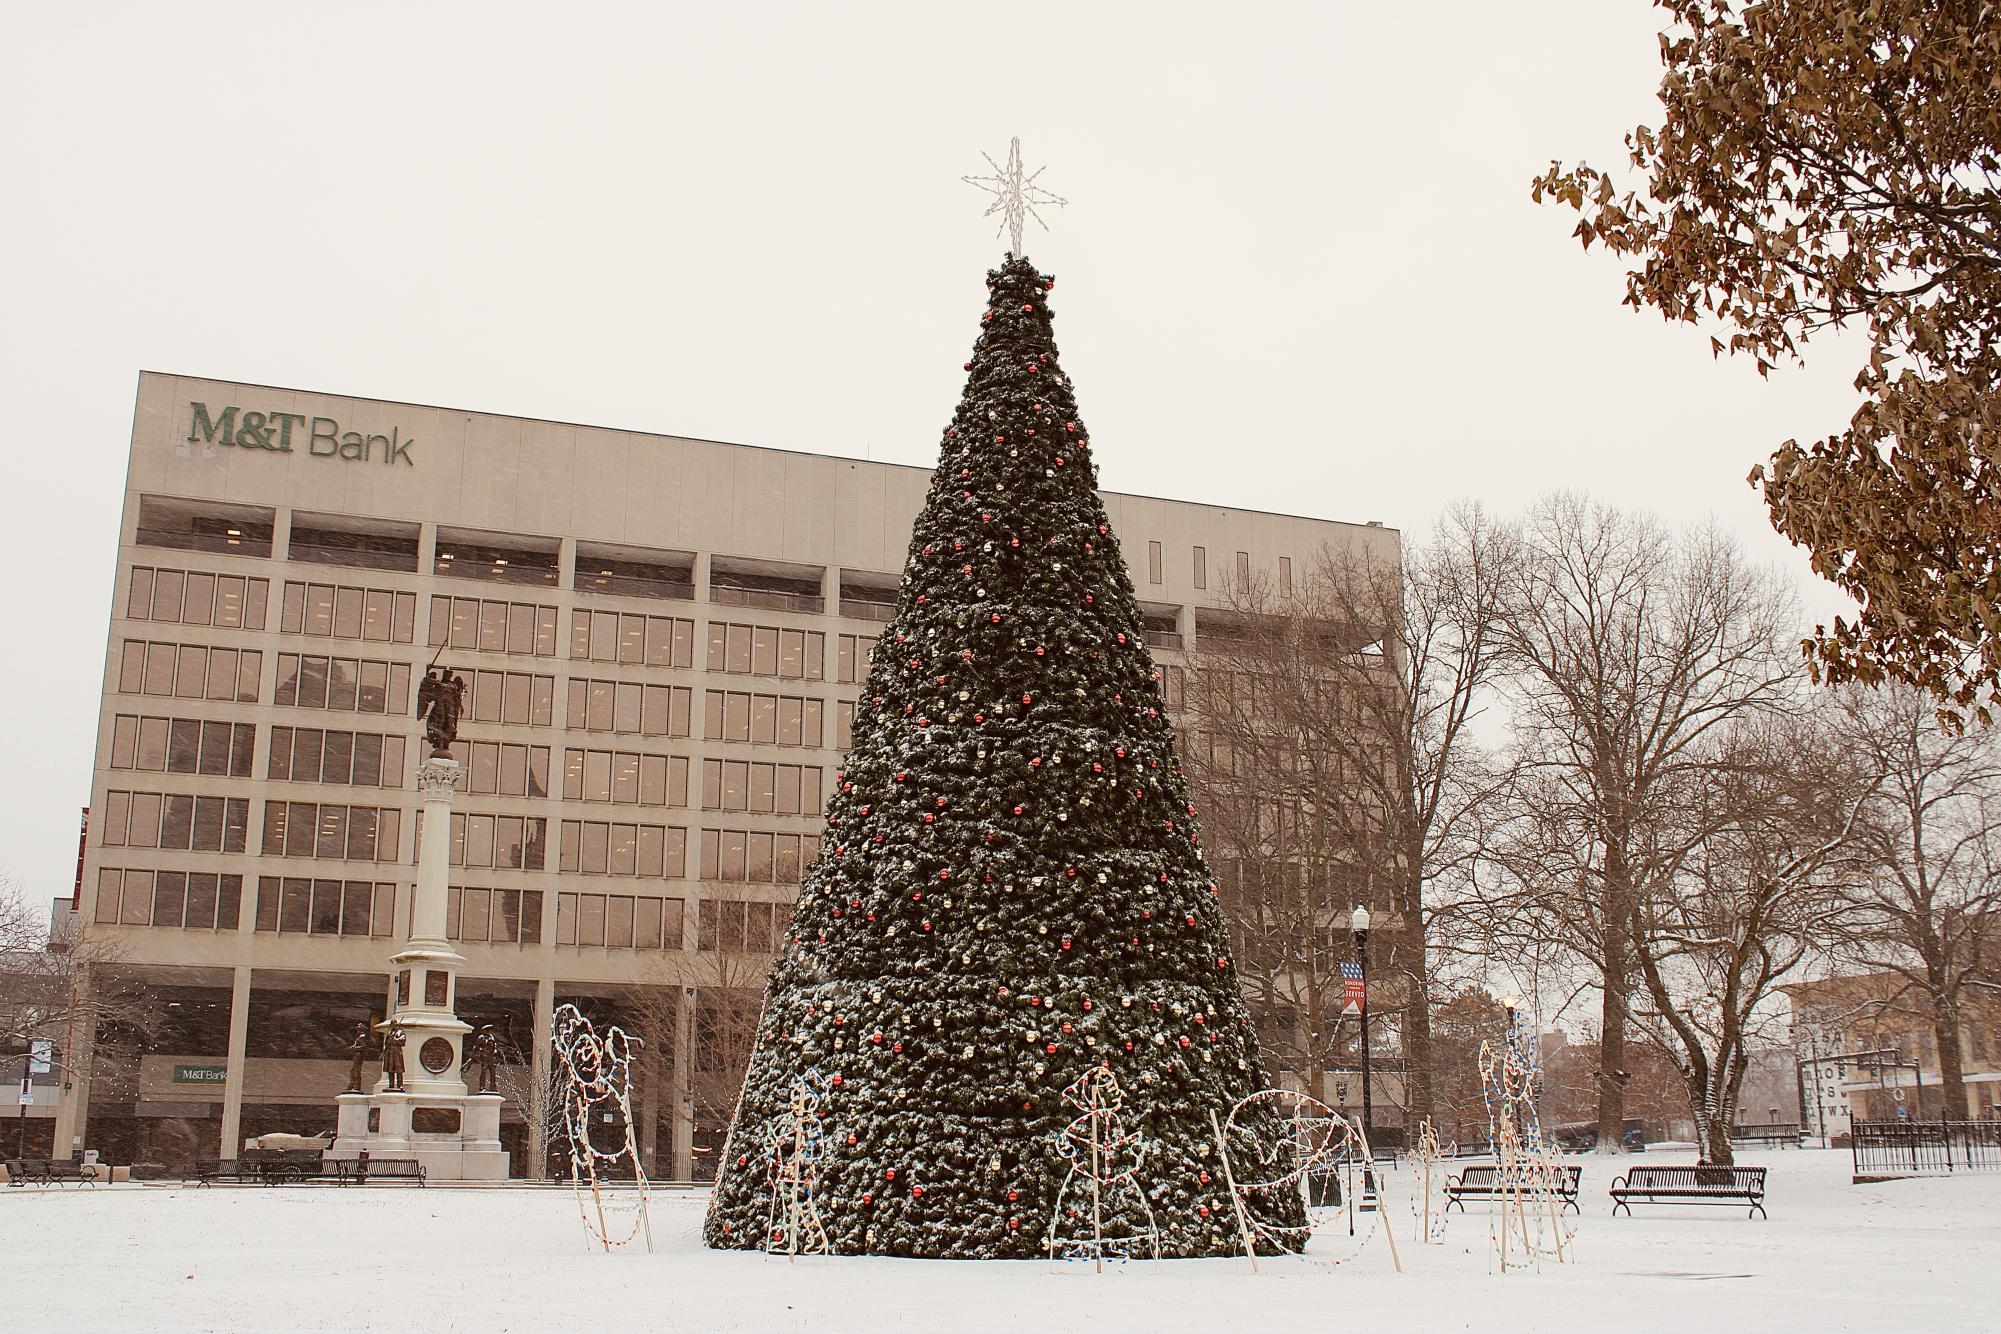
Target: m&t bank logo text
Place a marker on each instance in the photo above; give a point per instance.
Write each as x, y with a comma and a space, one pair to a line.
279, 431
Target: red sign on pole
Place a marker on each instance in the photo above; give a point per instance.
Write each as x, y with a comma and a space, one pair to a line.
1354, 995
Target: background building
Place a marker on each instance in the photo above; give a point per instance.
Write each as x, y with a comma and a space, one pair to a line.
663, 639
1868, 1052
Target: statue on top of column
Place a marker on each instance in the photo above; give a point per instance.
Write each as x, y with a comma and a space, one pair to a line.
440, 701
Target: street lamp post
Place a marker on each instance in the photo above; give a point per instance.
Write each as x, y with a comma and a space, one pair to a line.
1358, 922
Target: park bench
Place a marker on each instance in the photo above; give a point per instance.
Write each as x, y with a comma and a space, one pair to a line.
365, 1170
1785, 1136
1690, 1185
1483, 1182
49, 1172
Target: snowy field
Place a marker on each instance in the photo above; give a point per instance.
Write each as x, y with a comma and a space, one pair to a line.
1905, 1255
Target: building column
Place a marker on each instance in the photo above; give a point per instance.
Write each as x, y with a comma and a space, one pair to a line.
544, 1022
701, 576
427, 549
73, 1111
683, 1103
566, 563
830, 590
233, 1069
281, 549
1184, 625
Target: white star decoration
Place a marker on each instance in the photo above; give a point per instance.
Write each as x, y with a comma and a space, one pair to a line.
1015, 195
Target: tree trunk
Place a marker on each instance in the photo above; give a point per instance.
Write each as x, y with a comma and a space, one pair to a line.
1417, 1040
1617, 984
1712, 1136
1951, 1061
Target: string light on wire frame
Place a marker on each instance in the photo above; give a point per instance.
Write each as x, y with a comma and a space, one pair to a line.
597, 1074
1015, 194
796, 1144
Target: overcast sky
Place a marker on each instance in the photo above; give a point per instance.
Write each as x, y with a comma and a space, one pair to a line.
1299, 270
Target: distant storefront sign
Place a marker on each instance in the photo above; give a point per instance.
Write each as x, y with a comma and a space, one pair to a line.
201, 1074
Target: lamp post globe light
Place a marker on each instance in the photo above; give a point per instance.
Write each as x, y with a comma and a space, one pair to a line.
1358, 922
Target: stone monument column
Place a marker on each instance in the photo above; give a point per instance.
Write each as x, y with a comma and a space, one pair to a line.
428, 1113
426, 969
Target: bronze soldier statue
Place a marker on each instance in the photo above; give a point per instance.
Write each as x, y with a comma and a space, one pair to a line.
483, 1051
440, 702
359, 1047
392, 1058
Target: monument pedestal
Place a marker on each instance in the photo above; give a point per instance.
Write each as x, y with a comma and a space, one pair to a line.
456, 1138
430, 1115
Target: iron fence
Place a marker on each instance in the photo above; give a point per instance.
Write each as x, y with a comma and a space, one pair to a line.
1904, 1148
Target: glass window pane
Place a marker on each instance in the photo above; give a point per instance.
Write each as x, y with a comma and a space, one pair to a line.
337, 765
136, 909
764, 651
198, 603
167, 595
347, 613
201, 902
378, 615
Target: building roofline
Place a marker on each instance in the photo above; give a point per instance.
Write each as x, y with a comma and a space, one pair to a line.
733, 444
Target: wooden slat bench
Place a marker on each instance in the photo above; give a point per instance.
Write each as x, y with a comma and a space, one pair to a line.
1482, 1182
1691, 1185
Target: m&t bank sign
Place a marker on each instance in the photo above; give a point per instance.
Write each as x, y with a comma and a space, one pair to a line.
279, 431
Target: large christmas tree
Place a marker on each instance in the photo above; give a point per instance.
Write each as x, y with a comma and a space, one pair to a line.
1010, 888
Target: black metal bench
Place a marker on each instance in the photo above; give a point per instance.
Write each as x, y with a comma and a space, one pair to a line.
366, 1170
49, 1172
1786, 1136
1691, 1185
1483, 1182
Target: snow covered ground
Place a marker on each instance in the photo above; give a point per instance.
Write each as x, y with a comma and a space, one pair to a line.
1904, 1255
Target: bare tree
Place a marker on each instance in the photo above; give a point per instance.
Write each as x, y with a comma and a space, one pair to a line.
1332, 750
539, 1092
1766, 836
1625, 647
1926, 910
52, 987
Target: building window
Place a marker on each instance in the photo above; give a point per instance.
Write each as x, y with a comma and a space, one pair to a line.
762, 789
649, 851
625, 776
339, 611
1285, 576
499, 842
188, 900
174, 821
503, 558
189, 671
1153, 562
497, 916
754, 857
326, 830
619, 921
763, 650
484, 626
342, 539
735, 927
316, 755
1201, 568
610, 636
625, 706
295, 905
1243, 571
852, 658
193, 525
182, 745
194, 597
768, 720
345, 685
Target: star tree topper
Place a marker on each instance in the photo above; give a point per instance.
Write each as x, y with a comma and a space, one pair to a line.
1015, 194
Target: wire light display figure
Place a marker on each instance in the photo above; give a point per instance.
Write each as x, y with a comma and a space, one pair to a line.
1322, 1142
1529, 1172
1426, 1155
792, 1157
1015, 194
597, 1072
1101, 1210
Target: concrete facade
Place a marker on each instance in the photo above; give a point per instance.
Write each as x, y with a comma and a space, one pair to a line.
786, 561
